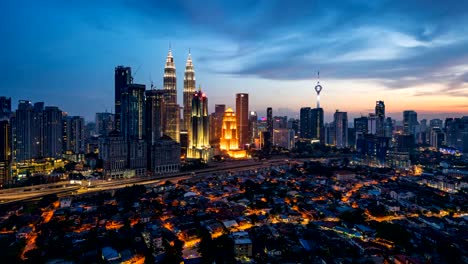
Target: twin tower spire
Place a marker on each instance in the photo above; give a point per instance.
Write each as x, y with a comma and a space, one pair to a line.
170, 85
170, 79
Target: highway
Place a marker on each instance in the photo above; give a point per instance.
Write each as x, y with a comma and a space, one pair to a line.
65, 188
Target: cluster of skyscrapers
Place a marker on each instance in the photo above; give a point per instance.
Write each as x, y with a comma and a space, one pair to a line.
35, 131
150, 137
150, 133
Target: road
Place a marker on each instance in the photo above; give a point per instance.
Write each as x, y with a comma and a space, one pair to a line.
65, 188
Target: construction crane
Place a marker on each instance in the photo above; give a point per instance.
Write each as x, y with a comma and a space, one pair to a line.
134, 74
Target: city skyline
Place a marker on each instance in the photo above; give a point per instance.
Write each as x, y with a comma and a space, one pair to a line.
408, 55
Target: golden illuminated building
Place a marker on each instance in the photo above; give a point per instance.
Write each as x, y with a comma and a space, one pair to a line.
229, 140
199, 143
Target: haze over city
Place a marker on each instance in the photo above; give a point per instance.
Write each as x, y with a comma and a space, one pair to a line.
412, 55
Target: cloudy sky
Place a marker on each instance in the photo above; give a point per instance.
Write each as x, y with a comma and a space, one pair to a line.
411, 54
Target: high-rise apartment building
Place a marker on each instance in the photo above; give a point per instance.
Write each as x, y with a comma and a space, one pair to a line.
305, 123
52, 132
457, 133
341, 129
5, 152
216, 123
38, 130
283, 137
24, 131
105, 123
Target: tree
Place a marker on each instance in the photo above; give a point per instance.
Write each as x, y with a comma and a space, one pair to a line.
395, 233
224, 250
352, 216
206, 247
173, 251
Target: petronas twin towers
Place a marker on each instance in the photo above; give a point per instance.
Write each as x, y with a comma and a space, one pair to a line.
173, 125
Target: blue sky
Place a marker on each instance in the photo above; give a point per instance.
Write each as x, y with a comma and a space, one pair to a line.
411, 54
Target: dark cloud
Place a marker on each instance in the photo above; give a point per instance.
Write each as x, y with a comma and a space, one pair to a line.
400, 44
323, 32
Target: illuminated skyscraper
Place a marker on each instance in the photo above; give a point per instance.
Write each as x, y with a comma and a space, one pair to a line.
199, 144
341, 129
229, 141
253, 126
189, 89
122, 78
170, 79
242, 117
229, 133
133, 127
132, 118
380, 118
172, 126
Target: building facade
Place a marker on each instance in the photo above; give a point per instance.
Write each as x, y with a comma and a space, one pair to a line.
172, 126
189, 89
122, 78
229, 141
199, 143
341, 129
242, 117
5, 152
